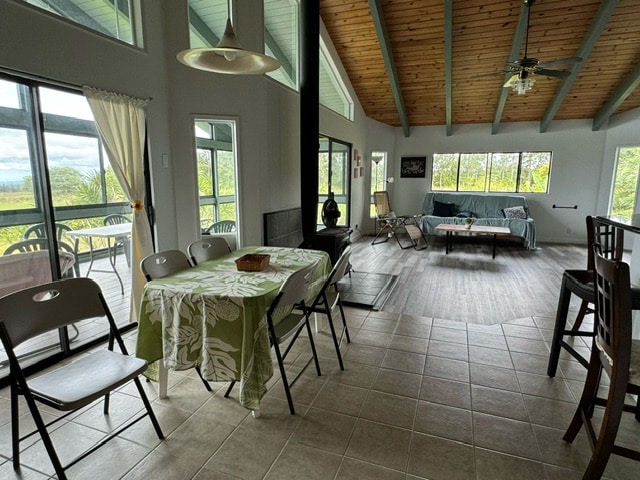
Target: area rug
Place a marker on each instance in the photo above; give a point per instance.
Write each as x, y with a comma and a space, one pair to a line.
366, 290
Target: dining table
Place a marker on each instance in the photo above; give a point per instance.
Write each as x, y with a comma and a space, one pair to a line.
107, 233
212, 316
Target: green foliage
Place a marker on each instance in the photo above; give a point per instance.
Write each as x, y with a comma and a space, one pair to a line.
226, 186
625, 182
69, 188
496, 172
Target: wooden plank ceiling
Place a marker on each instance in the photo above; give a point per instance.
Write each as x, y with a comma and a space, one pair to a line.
604, 33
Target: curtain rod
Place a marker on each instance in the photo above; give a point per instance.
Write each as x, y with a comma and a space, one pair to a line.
57, 83
37, 78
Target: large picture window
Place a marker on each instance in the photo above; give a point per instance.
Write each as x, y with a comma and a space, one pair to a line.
506, 172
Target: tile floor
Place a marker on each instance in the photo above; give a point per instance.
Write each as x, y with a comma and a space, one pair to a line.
419, 398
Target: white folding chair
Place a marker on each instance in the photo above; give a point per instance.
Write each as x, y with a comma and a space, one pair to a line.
33, 311
208, 249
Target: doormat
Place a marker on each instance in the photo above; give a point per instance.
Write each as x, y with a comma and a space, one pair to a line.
366, 290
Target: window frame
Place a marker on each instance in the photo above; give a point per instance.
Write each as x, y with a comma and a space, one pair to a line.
135, 21
215, 200
488, 171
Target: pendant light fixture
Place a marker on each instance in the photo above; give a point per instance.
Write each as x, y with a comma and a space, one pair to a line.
228, 56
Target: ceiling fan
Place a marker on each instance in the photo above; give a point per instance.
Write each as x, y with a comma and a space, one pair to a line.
522, 68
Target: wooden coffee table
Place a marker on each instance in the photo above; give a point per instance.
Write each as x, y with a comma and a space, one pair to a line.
450, 229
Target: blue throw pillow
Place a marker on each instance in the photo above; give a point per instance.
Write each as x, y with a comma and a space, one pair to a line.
442, 209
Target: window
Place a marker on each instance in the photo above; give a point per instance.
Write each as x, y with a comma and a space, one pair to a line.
333, 176
333, 93
114, 18
625, 182
281, 39
378, 177
215, 140
55, 176
207, 19
80, 183
523, 172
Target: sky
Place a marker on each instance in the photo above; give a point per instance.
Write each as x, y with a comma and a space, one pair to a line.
62, 150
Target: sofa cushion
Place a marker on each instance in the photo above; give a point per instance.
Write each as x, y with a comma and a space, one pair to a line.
442, 209
515, 212
465, 214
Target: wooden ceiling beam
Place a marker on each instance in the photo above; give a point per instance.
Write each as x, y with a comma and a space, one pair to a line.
448, 61
387, 54
515, 50
607, 7
619, 96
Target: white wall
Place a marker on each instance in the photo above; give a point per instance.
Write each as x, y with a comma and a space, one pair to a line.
575, 171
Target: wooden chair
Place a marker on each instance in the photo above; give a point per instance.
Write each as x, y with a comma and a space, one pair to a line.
580, 283
124, 241
286, 317
30, 312
615, 353
163, 264
208, 249
329, 297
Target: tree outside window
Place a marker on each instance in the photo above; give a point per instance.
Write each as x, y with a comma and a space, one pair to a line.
522, 172
625, 182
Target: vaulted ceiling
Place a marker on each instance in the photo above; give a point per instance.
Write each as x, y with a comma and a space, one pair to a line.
444, 62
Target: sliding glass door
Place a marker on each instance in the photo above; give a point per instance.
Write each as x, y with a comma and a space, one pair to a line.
54, 181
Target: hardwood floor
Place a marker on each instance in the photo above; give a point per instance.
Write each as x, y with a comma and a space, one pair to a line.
467, 284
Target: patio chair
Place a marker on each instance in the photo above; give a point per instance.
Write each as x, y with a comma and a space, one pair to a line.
39, 231
286, 323
28, 313
389, 223
223, 226
615, 353
208, 249
163, 264
36, 244
124, 241
329, 297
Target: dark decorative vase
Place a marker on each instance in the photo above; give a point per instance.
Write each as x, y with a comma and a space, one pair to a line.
330, 212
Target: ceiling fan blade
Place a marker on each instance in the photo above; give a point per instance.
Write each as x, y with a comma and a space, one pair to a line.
562, 61
492, 74
551, 73
511, 82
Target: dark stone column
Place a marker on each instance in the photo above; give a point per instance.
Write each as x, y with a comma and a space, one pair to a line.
309, 113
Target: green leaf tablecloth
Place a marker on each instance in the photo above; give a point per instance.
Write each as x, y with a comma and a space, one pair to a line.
213, 316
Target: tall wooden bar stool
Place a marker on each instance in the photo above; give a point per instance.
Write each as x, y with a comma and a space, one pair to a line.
580, 283
615, 353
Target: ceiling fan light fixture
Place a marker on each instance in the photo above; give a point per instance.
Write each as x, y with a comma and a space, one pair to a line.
228, 57
523, 85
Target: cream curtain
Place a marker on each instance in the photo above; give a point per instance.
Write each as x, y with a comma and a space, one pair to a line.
121, 123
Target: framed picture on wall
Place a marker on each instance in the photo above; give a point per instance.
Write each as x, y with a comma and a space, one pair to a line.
413, 167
